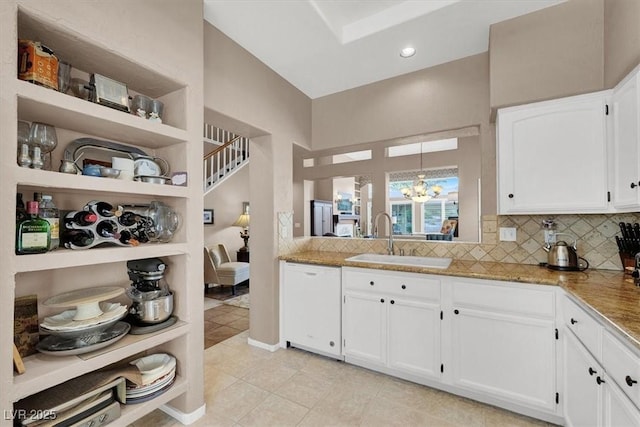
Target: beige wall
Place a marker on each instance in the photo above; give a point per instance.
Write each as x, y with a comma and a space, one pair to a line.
621, 39
443, 97
226, 201
551, 53
244, 96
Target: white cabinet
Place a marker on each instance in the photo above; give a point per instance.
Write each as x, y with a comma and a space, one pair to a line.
625, 150
600, 374
503, 341
552, 156
391, 322
311, 311
582, 397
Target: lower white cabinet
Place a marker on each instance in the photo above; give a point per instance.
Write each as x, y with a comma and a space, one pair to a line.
391, 321
598, 379
583, 376
500, 350
311, 307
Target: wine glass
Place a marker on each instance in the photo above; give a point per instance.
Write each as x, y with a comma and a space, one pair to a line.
44, 140
24, 129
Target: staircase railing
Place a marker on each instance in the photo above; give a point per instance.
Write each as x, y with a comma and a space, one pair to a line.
224, 161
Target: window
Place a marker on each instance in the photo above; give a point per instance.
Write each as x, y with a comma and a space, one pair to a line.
402, 217
433, 212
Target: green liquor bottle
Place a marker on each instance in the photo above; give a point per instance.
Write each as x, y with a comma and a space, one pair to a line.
33, 235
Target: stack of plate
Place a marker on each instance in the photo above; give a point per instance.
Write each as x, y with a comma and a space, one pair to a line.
158, 373
91, 326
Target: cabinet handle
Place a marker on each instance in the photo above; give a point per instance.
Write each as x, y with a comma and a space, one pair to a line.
456, 311
381, 299
393, 302
633, 185
404, 286
510, 195
599, 380
592, 371
371, 283
630, 381
573, 321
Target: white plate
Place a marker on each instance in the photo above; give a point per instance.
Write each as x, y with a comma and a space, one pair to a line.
152, 388
152, 364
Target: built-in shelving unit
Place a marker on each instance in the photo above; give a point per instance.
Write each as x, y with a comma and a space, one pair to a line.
75, 118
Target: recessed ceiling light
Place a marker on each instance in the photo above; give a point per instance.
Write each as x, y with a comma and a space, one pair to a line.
407, 52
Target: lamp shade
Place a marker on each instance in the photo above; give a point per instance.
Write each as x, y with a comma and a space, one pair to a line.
242, 221
452, 196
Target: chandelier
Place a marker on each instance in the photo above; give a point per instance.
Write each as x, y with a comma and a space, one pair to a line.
418, 192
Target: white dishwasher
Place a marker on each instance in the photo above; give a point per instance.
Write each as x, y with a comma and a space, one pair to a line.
312, 308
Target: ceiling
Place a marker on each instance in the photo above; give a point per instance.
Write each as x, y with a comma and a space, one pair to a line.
327, 46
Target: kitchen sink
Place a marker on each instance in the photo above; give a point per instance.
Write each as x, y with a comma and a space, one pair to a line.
415, 261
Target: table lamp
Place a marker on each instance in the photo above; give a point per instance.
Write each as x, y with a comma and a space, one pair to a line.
243, 221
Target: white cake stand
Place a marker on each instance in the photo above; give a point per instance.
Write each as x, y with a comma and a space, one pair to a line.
86, 301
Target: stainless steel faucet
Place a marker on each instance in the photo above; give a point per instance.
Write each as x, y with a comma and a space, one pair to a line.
375, 230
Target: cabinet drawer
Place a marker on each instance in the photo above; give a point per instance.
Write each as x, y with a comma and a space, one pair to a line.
505, 297
396, 283
586, 328
622, 365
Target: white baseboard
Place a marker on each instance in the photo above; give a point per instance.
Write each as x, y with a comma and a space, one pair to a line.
185, 419
268, 347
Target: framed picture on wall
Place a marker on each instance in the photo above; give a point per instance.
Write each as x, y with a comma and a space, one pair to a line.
208, 216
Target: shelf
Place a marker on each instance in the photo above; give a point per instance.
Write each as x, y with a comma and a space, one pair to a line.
92, 185
43, 371
37, 103
65, 258
131, 413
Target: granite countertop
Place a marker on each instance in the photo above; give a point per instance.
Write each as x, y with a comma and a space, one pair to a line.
610, 295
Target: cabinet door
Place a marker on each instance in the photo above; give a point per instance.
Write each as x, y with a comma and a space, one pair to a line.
582, 394
618, 409
507, 356
414, 337
364, 327
552, 156
311, 311
626, 123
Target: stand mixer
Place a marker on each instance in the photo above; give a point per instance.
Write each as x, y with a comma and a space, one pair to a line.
152, 299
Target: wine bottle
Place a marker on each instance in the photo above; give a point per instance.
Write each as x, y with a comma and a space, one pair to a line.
33, 234
128, 218
82, 218
21, 212
127, 238
80, 238
108, 229
104, 209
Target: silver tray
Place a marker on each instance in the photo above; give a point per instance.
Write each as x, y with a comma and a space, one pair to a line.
58, 346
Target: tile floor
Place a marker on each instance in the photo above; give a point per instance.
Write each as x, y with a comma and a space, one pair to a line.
247, 386
222, 322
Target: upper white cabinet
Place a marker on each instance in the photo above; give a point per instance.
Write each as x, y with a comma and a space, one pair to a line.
625, 155
552, 156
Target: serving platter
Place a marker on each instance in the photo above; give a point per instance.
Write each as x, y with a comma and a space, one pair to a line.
58, 346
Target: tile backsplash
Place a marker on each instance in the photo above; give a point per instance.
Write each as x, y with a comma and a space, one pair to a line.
594, 233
